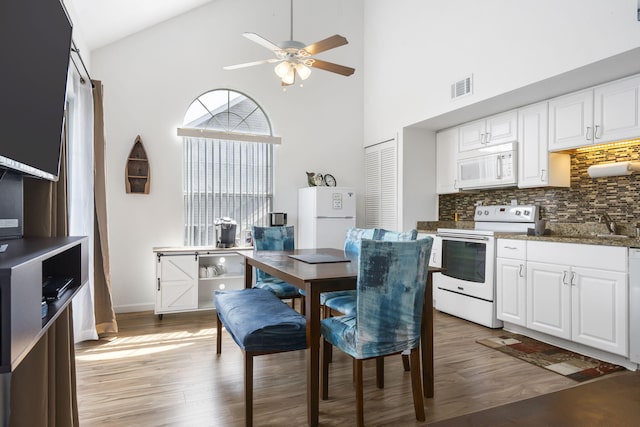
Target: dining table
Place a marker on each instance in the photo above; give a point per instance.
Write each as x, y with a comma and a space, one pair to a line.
331, 270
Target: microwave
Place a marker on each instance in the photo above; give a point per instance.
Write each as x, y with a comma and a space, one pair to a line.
488, 167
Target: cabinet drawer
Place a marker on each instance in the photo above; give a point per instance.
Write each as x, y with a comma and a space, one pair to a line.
592, 256
515, 249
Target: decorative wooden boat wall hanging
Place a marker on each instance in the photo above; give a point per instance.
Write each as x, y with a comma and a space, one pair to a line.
138, 172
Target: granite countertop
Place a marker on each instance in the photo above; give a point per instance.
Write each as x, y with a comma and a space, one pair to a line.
586, 233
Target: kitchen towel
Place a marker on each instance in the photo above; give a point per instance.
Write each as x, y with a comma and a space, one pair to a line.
613, 169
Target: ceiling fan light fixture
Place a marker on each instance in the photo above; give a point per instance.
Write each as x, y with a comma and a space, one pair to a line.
282, 69
290, 77
303, 71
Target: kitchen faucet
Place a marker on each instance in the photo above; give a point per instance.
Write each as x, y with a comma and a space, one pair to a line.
611, 226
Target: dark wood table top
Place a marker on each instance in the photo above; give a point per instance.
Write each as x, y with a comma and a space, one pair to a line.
297, 273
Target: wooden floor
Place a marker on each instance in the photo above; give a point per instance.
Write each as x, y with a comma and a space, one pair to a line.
166, 373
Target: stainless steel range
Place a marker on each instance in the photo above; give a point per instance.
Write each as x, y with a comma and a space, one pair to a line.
467, 287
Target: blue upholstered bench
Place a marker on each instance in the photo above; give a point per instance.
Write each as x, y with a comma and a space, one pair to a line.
260, 323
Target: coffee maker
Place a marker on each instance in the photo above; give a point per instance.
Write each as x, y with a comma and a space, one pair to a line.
225, 232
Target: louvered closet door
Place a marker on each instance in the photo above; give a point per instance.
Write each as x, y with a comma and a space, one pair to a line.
381, 187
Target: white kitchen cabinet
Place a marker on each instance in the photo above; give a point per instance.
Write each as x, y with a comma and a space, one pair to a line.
549, 299
511, 281
579, 293
446, 161
492, 130
605, 293
606, 113
186, 278
537, 167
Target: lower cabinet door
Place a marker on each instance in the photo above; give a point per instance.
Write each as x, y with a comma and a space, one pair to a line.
599, 309
548, 299
511, 291
177, 283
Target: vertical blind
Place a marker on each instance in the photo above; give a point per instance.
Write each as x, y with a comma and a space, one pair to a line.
225, 178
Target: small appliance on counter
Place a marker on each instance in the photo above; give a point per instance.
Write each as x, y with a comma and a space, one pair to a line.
277, 219
225, 232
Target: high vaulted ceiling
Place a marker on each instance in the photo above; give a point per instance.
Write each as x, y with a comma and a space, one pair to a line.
100, 22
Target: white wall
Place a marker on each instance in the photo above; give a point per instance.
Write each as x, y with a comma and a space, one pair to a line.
415, 49
150, 79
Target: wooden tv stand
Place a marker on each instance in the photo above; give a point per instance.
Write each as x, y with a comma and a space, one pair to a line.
23, 268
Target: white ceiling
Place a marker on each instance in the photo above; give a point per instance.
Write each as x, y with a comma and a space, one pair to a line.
100, 22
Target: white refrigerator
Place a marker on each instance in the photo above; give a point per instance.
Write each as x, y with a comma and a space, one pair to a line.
324, 215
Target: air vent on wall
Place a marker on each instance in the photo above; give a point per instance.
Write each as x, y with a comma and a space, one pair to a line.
462, 87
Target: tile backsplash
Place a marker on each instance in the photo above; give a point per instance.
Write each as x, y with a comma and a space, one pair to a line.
584, 201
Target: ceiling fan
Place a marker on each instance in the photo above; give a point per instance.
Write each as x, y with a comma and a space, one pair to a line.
294, 57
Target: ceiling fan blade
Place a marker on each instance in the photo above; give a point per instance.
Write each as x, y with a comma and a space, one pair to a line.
251, 64
262, 41
334, 68
326, 44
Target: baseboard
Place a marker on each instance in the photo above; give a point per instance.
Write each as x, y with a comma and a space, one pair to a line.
132, 308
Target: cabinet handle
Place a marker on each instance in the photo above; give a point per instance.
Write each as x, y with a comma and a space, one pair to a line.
520, 273
588, 136
564, 278
510, 247
455, 184
487, 138
158, 283
573, 276
595, 134
482, 135
542, 171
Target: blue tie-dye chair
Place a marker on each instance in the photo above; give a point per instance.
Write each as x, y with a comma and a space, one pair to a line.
276, 239
390, 298
345, 301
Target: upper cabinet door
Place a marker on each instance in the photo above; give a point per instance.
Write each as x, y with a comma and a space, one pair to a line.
502, 128
471, 135
493, 130
617, 110
533, 155
570, 120
446, 161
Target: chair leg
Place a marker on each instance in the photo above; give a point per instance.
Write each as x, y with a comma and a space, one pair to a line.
359, 393
326, 313
380, 372
416, 385
218, 335
405, 362
248, 389
326, 352
303, 305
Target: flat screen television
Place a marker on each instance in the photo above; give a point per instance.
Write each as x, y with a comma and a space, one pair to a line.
35, 47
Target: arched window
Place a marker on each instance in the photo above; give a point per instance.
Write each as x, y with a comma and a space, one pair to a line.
228, 164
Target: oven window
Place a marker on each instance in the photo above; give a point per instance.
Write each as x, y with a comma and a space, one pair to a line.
464, 260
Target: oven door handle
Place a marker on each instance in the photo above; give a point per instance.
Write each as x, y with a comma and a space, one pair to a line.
463, 237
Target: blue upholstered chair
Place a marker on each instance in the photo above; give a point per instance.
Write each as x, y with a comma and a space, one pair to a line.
345, 301
390, 297
259, 323
276, 239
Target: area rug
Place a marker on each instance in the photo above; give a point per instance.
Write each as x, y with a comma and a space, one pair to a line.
564, 362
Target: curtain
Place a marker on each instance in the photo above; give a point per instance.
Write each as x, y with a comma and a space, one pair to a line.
105, 315
80, 187
43, 386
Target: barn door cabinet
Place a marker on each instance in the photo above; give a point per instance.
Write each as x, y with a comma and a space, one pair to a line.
187, 277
